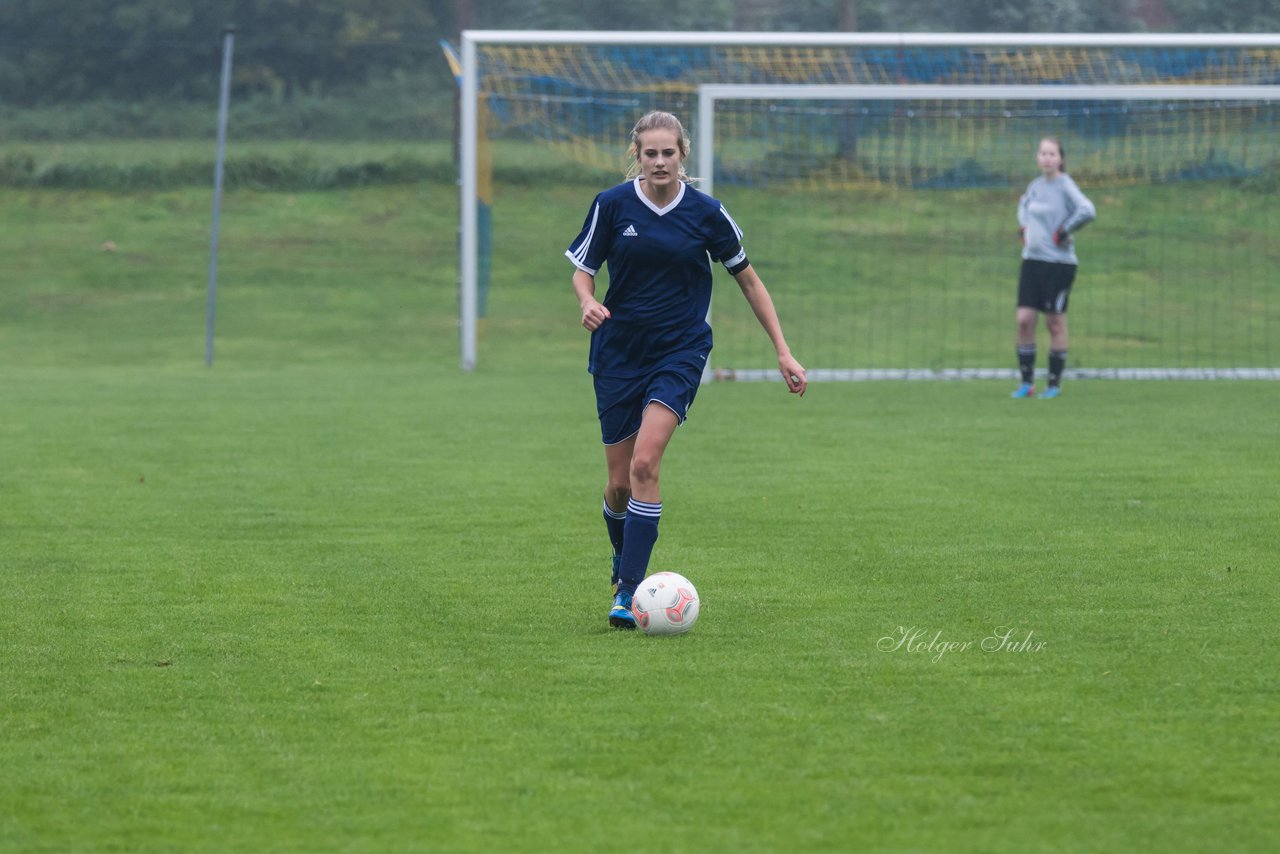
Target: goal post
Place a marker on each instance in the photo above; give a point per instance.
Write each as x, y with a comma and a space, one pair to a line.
579, 91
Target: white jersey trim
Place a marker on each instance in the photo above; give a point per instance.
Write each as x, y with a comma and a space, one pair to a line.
736, 260
679, 415
649, 202
578, 256
583, 267
736, 230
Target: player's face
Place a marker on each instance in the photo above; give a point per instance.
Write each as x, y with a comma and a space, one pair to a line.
659, 153
1049, 158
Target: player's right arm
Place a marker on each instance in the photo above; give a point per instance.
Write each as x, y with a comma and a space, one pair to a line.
594, 312
1023, 216
588, 252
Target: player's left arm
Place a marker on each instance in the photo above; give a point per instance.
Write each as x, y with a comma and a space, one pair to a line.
1082, 211
762, 306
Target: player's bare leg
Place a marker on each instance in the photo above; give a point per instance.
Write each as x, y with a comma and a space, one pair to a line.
1057, 326
617, 492
1027, 325
644, 508
656, 429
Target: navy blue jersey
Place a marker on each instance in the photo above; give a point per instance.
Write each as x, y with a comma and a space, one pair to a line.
659, 262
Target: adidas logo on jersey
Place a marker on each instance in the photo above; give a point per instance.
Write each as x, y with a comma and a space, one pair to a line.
630, 231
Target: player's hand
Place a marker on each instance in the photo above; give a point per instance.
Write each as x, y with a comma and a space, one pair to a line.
594, 314
793, 373
1061, 237
1022, 233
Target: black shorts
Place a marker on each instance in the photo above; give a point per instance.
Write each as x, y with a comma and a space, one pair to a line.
1045, 286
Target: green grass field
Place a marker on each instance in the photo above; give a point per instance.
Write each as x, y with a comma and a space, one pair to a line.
332, 594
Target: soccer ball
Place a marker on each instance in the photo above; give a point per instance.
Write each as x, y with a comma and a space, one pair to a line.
665, 603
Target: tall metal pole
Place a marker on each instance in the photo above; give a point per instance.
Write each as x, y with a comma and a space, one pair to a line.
705, 162
228, 42
469, 285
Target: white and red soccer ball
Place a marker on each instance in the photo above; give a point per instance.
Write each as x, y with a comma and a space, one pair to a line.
665, 603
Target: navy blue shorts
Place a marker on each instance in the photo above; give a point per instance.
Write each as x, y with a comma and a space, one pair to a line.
1045, 285
621, 401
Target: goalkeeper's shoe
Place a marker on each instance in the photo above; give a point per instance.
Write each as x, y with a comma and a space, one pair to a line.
1051, 392
1024, 390
613, 579
620, 616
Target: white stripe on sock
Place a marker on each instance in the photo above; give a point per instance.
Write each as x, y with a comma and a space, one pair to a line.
644, 508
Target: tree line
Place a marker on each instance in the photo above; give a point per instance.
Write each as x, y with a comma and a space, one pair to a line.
169, 50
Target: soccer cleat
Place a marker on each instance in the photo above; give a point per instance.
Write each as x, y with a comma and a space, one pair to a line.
1025, 390
613, 579
620, 616
1051, 392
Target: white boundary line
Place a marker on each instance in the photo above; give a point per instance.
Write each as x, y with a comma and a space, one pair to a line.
755, 375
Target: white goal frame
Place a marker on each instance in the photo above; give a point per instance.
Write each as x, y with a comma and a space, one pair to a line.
469, 113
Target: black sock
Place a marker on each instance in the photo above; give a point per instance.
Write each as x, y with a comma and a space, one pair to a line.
1027, 362
1057, 361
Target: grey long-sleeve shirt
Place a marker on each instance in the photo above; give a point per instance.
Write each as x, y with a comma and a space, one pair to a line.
1047, 206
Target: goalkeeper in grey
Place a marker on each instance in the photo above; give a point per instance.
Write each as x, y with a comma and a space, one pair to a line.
1050, 213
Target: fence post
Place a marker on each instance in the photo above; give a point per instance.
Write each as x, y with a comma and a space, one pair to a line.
228, 41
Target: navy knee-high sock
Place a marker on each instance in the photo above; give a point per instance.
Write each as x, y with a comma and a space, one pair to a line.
615, 522
637, 543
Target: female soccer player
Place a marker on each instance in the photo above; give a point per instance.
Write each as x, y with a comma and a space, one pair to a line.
649, 337
1051, 211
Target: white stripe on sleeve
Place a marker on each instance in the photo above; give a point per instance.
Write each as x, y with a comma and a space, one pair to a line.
579, 256
736, 230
